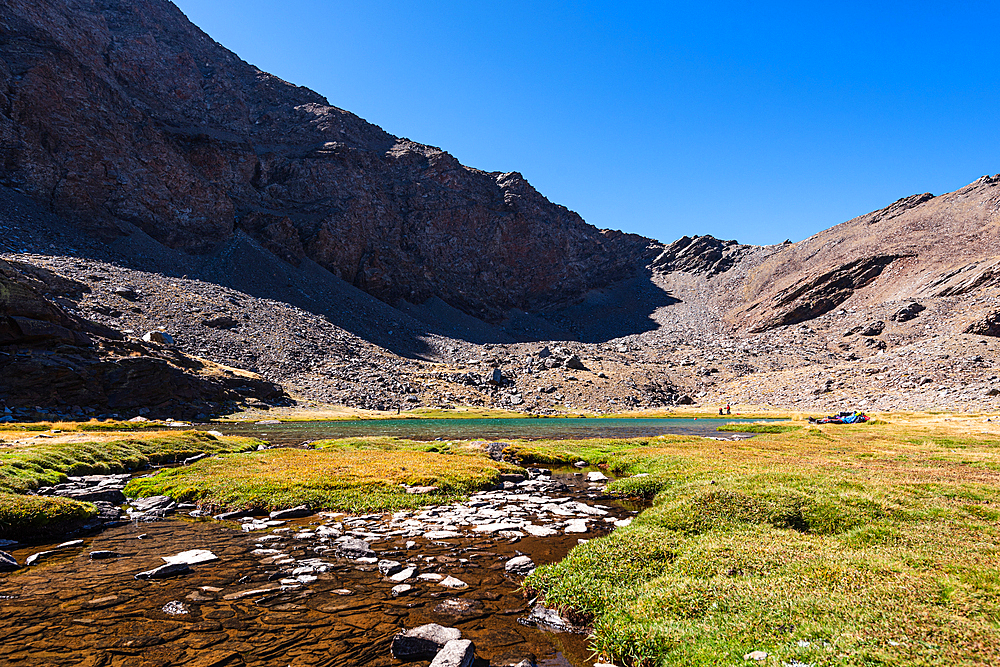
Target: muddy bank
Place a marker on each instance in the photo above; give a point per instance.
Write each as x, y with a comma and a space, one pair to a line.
311, 591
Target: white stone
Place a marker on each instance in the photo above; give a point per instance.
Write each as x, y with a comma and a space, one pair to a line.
192, 557
452, 582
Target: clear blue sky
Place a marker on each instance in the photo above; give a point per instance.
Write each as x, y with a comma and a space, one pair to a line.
750, 120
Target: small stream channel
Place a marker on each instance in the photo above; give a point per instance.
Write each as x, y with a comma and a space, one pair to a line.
282, 595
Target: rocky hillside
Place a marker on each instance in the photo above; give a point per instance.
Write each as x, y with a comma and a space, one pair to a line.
119, 114
49, 357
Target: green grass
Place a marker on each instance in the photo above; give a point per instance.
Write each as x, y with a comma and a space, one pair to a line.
842, 545
357, 480
30, 466
759, 428
25, 516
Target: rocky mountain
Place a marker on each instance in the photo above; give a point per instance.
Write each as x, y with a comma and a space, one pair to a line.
120, 113
151, 180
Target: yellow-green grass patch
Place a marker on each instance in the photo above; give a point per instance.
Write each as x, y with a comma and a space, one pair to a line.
832, 545
22, 517
41, 463
353, 481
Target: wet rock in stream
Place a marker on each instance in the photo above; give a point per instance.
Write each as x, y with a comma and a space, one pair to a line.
423, 642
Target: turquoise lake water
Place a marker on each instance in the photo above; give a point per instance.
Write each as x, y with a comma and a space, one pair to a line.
476, 429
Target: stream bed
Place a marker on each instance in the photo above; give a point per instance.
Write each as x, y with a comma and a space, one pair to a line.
312, 591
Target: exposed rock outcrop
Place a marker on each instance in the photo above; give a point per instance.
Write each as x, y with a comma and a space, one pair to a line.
704, 255
49, 357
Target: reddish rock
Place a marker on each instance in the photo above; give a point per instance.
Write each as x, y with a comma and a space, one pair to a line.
124, 112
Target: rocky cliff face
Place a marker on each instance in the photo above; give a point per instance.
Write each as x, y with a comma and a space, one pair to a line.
122, 111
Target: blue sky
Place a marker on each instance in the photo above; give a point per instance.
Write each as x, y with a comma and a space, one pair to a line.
749, 120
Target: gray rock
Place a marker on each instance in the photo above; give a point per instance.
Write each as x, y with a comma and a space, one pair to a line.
521, 565
161, 337
389, 567
229, 516
41, 555
575, 363
221, 322
401, 589
153, 503
291, 513
497, 377
104, 555
94, 495
456, 653
423, 642
354, 548
596, 477
7, 562
165, 571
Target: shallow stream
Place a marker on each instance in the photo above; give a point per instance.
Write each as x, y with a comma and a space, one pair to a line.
282, 596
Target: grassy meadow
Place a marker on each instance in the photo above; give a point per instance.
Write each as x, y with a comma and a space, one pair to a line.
823, 545
344, 478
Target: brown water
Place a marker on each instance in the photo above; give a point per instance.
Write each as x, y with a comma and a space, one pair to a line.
70, 610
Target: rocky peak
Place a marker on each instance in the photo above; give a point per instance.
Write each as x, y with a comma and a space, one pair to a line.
703, 255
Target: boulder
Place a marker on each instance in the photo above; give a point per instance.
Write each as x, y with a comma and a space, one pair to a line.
596, 477
423, 642
153, 503
908, 312
401, 589
161, 337
574, 362
165, 571
291, 513
7, 562
389, 567
456, 653
521, 565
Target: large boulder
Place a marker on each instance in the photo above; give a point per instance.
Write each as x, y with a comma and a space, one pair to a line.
423, 642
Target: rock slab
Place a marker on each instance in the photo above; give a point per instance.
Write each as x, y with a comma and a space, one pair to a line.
423, 642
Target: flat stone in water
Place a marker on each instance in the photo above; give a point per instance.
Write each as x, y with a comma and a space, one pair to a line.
404, 574
460, 607
192, 557
7, 562
452, 582
456, 653
174, 608
165, 571
103, 555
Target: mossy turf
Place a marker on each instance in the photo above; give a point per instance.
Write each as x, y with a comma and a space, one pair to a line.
28, 466
832, 545
345, 479
23, 516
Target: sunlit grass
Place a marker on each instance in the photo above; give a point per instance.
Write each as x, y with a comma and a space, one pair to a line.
832, 545
349, 479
